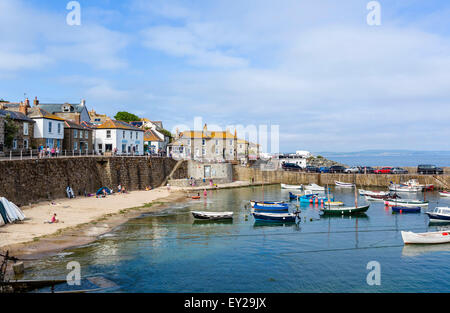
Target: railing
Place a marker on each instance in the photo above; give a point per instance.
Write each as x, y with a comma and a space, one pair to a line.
36, 154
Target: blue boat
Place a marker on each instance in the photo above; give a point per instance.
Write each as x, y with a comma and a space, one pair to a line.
406, 209
270, 209
269, 203
275, 217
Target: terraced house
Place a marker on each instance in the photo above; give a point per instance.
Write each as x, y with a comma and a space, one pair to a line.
48, 129
204, 145
77, 138
17, 132
119, 137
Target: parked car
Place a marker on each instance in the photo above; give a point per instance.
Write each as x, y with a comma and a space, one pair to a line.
367, 170
324, 169
399, 170
312, 169
429, 169
384, 170
353, 170
337, 169
291, 166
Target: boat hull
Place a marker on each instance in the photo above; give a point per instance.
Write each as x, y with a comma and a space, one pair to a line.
280, 218
345, 185
345, 211
425, 238
402, 209
212, 215
285, 186
406, 203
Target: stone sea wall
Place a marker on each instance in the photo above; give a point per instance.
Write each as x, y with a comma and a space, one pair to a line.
29, 181
369, 180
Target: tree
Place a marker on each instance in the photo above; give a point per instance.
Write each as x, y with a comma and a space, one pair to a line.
126, 117
11, 130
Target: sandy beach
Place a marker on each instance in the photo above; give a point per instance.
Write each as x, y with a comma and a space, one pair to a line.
83, 219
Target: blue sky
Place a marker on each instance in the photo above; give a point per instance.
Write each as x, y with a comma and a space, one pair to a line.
315, 68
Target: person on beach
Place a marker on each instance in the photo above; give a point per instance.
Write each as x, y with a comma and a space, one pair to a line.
119, 188
53, 220
168, 186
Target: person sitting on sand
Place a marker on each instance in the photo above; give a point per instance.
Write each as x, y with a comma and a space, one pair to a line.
53, 220
119, 188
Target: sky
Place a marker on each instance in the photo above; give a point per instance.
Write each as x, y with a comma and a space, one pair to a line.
314, 70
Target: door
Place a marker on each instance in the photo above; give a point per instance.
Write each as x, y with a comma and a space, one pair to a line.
207, 169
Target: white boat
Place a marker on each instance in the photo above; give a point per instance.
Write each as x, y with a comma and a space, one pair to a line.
202, 215
444, 193
285, 186
314, 187
9, 212
346, 185
363, 192
406, 202
404, 188
425, 238
370, 198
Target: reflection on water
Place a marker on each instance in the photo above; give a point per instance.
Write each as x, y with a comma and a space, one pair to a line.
166, 251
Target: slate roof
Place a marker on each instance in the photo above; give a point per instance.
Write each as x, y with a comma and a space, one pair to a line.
37, 112
16, 116
113, 124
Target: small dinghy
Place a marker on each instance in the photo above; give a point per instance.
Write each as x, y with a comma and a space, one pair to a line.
439, 215
345, 185
444, 193
404, 188
345, 210
275, 217
314, 187
406, 209
271, 209
425, 238
195, 197
363, 192
268, 203
406, 202
202, 215
285, 186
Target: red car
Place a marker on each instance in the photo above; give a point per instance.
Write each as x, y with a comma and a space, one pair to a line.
384, 170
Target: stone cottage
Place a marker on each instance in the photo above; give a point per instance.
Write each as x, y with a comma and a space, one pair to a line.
77, 138
23, 138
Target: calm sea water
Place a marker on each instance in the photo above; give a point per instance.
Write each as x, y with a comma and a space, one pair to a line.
170, 252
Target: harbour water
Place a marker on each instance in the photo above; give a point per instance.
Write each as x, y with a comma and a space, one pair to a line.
170, 252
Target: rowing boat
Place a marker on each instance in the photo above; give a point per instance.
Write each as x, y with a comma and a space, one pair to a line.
202, 215
425, 238
275, 217
267, 203
444, 193
345, 185
363, 192
345, 210
406, 202
314, 187
285, 186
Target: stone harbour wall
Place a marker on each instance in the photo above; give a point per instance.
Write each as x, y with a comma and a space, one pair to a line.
364, 180
28, 181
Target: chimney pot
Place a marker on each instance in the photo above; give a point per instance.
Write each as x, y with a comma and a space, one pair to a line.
36, 101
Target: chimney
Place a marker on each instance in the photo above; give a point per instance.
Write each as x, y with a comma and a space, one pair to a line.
23, 107
83, 102
36, 102
205, 128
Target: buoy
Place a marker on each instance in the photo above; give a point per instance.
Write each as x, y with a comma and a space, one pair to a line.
401, 211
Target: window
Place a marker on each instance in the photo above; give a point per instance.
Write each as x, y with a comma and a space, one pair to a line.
108, 134
75, 146
136, 137
203, 142
231, 151
189, 142
49, 127
217, 142
203, 151
123, 134
231, 142
131, 135
25, 129
59, 128
217, 151
15, 144
75, 134
25, 143
81, 134
86, 134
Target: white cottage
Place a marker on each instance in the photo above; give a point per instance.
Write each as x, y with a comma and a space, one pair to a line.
48, 128
119, 137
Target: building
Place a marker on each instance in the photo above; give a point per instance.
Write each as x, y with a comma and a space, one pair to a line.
23, 138
297, 158
78, 139
155, 142
205, 145
48, 128
117, 136
97, 119
145, 123
72, 112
